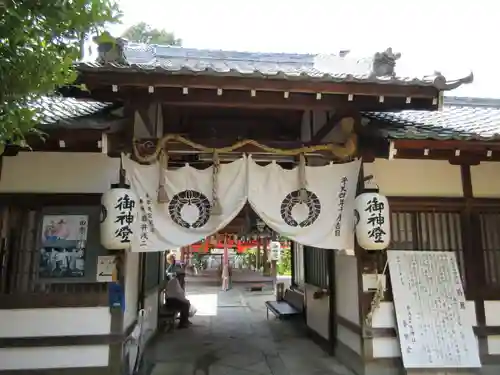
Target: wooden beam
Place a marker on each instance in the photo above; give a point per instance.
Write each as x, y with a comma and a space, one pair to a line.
469, 145
75, 140
455, 151
143, 112
262, 99
53, 300
334, 121
146, 79
466, 157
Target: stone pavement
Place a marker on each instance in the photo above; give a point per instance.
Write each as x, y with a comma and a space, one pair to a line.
211, 276
231, 336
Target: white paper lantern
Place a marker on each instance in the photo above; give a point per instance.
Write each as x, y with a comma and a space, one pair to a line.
119, 213
275, 250
373, 230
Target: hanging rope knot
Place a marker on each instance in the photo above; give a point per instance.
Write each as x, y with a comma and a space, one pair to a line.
339, 151
302, 179
377, 297
216, 207
163, 166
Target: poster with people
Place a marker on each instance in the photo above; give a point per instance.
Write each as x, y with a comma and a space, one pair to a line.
64, 240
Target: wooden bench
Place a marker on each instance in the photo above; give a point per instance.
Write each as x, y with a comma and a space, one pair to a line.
291, 305
166, 319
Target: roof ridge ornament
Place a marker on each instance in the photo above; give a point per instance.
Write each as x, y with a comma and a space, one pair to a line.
110, 50
384, 63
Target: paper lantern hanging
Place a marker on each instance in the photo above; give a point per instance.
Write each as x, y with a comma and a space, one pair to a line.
274, 250
373, 229
119, 213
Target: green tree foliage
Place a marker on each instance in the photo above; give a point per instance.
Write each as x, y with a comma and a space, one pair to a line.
144, 33
39, 42
285, 263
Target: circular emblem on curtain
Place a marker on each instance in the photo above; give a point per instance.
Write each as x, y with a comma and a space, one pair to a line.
189, 198
291, 200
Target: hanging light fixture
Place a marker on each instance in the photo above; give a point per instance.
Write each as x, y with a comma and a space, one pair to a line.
260, 225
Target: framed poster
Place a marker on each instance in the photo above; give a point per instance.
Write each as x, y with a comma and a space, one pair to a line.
434, 330
63, 245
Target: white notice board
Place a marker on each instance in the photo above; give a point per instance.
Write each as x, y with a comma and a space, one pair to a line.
433, 328
106, 268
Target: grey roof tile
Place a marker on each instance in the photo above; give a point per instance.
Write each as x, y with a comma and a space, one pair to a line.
460, 119
340, 68
64, 111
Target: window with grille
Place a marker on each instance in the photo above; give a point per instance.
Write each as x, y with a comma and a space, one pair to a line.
21, 253
298, 264
316, 266
490, 239
438, 231
152, 270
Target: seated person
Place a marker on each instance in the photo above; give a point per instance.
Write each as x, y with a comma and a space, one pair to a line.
176, 300
175, 269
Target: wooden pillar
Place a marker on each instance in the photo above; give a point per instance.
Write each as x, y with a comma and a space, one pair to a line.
225, 267
183, 254
292, 263
473, 254
332, 321
257, 255
265, 246
274, 269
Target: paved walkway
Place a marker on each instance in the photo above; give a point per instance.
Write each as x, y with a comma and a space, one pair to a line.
230, 336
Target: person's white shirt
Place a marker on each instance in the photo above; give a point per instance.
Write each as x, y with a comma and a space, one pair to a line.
174, 290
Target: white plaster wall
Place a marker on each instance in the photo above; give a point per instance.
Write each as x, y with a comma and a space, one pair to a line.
58, 172
385, 347
151, 308
484, 183
131, 288
493, 344
346, 282
416, 178
349, 338
317, 311
54, 322
68, 321
492, 313
54, 357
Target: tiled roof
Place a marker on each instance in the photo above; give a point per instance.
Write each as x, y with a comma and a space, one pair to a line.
460, 119
340, 68
64, 111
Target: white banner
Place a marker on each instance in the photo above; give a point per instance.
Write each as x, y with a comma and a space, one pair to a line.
326, 218
186, 218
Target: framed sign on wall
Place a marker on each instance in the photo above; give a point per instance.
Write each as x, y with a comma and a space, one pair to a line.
63, 246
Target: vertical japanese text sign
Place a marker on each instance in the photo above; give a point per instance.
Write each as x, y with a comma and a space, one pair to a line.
373, 230
118, 214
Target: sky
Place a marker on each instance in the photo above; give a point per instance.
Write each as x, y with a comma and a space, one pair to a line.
452, 37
